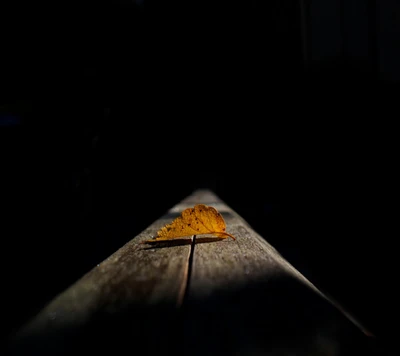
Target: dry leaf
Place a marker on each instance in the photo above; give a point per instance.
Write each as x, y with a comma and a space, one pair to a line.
199, 220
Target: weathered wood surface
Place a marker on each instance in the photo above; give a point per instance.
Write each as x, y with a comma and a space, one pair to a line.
134, 281
195, 297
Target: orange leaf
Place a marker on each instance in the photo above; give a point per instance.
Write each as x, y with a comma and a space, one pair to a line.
199, 220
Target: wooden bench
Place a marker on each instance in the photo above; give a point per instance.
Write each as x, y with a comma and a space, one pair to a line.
199, 297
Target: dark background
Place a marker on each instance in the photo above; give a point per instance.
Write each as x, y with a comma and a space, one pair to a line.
114, 111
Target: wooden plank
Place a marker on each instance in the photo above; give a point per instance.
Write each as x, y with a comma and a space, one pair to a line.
217, 297
245, 298
135, 287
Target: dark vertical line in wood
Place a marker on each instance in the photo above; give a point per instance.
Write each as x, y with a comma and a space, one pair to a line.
373, 37
189, 272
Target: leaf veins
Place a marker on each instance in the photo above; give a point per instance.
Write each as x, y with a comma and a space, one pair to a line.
199, 220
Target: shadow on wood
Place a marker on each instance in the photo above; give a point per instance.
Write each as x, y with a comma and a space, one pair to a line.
180, 242
276, 316
237, 297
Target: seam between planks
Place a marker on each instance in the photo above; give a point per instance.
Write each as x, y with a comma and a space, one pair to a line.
183, 293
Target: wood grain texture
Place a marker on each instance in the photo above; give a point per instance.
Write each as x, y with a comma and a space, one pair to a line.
250, 301
200, 295
128, 290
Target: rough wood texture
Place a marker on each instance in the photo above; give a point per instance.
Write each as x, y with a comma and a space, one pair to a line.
251, 301
196, 296
135, 282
